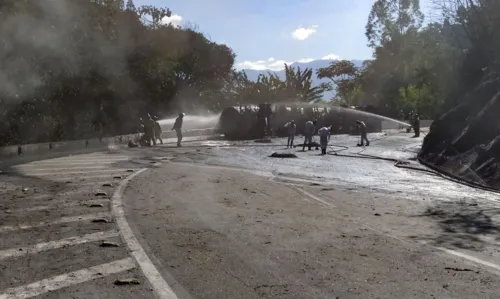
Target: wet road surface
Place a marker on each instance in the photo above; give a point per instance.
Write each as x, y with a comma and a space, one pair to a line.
311, 227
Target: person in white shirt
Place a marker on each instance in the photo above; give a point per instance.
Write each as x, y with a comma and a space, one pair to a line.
324, 136
292, 128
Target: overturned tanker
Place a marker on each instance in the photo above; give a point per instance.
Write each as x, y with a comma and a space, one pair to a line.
258, 121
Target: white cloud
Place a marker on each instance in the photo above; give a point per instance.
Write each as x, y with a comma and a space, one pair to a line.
330, 57
270, 64
303, 33
174, 20
277, 65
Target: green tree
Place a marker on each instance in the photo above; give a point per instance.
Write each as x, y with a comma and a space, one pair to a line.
343, 75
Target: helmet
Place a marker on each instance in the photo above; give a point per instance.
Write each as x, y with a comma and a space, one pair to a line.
181, 114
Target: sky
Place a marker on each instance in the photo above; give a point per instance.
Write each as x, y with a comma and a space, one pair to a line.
264, 34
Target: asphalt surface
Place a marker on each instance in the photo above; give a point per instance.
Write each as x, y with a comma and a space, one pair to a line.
221, 219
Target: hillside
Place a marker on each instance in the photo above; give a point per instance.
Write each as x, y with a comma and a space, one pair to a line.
315, 65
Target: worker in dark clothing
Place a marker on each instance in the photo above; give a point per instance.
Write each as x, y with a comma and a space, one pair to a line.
416, 125
158, 130
362, 130
308, 134
178, 128
149, 131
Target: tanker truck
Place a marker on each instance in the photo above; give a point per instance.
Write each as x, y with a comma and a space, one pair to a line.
258, 121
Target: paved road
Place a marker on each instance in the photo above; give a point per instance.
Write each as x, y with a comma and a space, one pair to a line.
53, 225
197, 224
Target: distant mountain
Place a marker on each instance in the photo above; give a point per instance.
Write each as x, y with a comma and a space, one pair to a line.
314, 65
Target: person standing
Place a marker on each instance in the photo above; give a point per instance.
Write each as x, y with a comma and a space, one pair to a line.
158, 130
324, 137
416, 125
292, 129
362, 130
178, 128
149, 128
308, 134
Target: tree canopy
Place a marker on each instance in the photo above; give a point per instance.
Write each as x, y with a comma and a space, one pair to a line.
71, 67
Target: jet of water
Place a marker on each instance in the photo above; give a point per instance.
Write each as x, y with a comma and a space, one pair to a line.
192, 122
346, 110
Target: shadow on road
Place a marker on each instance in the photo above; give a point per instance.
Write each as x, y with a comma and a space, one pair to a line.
464, 226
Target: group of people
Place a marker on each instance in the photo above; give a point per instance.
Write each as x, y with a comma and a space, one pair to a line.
152, 130
324, 134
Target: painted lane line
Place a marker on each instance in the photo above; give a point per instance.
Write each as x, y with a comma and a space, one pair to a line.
65, 280
60, 169
471, 258
10, 228
58, 205
495, 268
71, 161
16, 252
88, 177
154, 277
41, 174
304, 192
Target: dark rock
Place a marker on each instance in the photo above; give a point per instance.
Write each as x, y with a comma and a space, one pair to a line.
109, 244
101, 220
128, 281
465, 141
283, 155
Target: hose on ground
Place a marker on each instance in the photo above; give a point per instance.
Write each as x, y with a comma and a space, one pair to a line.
401, 164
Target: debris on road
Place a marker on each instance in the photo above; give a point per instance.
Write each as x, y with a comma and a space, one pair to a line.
458, 269
109, 244
101, 220
283, 155
128, 281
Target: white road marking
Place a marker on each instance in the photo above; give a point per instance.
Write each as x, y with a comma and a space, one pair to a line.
16, 252
82, 161
300, 190
65, 280
60, 169
9, 228
154, 277
88, 177
449, 251
58, 205
41, 174
471, 258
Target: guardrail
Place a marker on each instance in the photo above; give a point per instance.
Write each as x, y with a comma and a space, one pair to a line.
23, 150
